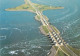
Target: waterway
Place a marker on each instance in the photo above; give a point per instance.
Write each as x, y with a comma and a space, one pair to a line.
19, 32
67, 20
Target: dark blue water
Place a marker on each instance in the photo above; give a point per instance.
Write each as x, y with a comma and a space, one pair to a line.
67, 20
19, 32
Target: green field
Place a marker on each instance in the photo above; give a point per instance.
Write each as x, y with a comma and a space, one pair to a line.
56, 30
21, 7
64, 52
76, 51
45, 29
28, 7
60, 53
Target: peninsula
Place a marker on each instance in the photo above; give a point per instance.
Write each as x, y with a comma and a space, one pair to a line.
28, 7
59, 46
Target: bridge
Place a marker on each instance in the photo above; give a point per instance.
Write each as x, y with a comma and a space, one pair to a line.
55, 38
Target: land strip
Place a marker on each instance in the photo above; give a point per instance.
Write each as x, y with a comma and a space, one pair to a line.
46, 27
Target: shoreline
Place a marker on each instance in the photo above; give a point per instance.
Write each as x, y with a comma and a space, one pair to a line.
54, 9
21, 10
36, 18
42, 28
42, 31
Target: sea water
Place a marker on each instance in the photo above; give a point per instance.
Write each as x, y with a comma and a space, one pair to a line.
19, 32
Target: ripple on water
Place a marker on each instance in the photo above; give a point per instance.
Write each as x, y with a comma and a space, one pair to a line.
32, 47
2, 37
12, 52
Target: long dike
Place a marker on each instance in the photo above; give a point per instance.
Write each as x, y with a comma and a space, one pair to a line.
56, 39
59, 46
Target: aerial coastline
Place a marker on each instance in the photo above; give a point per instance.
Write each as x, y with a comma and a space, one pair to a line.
43, 29
27, 7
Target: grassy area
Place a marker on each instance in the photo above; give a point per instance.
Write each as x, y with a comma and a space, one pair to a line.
46, 7
56, 30
46, 17
60, 53
45, 29
76, 51
30, 8
56, 47
37, 17
21, 7
63, 48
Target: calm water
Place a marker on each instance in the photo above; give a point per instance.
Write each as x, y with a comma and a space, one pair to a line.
19, 32
67, 20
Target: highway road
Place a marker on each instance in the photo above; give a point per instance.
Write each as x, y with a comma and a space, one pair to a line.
54, 36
